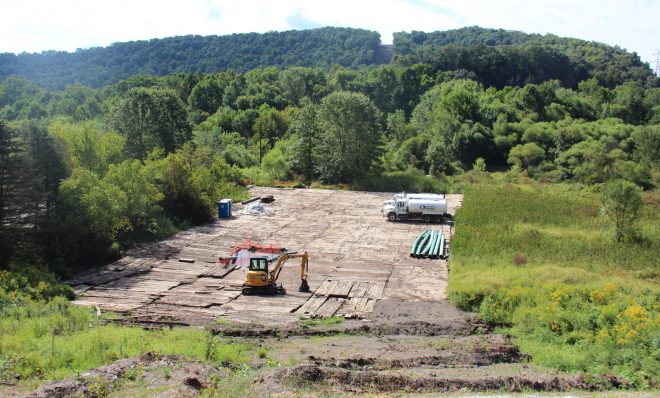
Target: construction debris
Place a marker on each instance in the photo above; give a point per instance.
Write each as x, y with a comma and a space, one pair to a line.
256, 209
252, 199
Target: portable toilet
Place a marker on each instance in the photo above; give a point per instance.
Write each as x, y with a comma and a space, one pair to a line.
224, 208
231, 204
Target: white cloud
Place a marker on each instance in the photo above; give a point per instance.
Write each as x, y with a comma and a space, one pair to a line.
36, 25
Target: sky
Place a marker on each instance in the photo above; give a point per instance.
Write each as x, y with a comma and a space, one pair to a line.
38, 25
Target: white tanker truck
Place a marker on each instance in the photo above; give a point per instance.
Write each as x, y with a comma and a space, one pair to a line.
414, 207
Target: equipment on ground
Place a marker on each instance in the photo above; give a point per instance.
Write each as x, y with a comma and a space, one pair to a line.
407, 208
258, 280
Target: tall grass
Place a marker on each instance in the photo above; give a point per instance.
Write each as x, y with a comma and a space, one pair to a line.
57, 339
409, 181
541, 261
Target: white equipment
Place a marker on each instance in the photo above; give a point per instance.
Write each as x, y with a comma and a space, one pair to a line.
413, 206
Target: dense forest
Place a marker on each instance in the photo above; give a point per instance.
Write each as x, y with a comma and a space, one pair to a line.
494, 57
99, 66
504, 58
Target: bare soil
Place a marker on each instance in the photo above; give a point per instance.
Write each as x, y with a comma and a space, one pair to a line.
163, 375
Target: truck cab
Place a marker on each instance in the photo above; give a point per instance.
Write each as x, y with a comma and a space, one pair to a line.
392, 209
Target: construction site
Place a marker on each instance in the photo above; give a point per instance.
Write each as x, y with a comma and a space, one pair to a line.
357, 258
397, 330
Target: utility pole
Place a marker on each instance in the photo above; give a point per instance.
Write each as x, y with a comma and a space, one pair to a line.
657, 62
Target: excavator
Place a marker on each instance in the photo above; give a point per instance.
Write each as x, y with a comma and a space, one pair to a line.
259, 281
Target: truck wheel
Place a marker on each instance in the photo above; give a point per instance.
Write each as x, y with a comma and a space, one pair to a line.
427, 218
391, 217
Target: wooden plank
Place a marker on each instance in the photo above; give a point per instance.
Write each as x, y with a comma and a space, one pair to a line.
329, 308
359, 289
341, 289
365, 306
354, 307
311, 305
326, 287
376, 290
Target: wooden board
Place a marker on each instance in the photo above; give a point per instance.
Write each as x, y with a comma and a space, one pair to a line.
329, 308
311, 305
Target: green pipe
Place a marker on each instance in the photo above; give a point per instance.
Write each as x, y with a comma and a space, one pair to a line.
420, 245
442, 247
416, 242
429, 245
434, 251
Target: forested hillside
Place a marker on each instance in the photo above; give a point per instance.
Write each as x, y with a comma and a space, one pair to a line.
496, 57
493, 57
98, 66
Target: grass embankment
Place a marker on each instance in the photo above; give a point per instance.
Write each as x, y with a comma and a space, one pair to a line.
52, 340
541, 261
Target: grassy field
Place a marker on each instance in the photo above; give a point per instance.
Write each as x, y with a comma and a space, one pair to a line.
45, 341
541, 262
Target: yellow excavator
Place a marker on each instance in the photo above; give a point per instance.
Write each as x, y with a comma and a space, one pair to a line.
259, 281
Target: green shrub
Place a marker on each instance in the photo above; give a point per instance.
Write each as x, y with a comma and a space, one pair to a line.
539, 260
410, 181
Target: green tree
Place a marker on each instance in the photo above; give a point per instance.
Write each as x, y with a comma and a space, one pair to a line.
86, 146
351, 136
206, 96
183, 198
622, 201
305, 127
8, 147
151, 118
526, 156
647, 147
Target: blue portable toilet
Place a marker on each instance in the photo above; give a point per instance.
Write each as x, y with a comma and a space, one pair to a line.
224, 208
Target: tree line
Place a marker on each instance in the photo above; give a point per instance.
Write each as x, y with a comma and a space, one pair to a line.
494, 57
86, 173
100, 66
499, 58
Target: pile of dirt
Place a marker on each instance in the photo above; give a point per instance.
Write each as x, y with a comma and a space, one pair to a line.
181, 376
438, 380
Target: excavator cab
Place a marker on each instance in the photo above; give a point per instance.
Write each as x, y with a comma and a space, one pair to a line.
257, 274
258, 279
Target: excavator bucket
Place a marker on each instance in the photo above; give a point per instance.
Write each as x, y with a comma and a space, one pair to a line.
304, 287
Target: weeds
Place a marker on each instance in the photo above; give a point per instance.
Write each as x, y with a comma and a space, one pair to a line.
262, 352
539, 260
28, 349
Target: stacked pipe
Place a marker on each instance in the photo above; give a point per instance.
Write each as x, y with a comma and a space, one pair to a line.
428, 244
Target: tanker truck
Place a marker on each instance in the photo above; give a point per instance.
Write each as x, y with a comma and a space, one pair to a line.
403, 195
426, 210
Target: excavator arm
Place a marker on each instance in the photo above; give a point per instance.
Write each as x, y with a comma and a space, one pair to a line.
304, 268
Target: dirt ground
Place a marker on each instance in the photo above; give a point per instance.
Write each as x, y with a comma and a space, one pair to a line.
400, 334
358, 262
